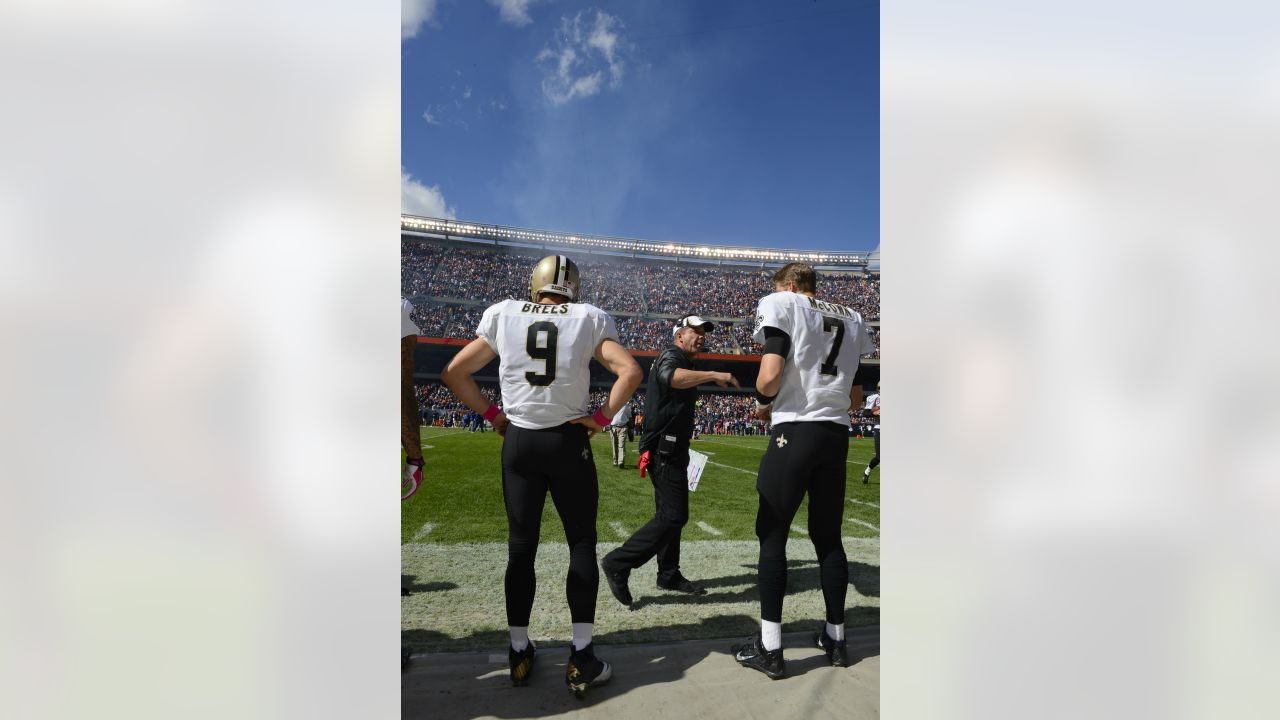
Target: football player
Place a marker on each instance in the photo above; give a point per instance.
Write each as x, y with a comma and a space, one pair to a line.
544, 347
806, 386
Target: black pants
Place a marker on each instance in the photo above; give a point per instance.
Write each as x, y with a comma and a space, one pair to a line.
535, 461
875, 460
803, 457
660, 537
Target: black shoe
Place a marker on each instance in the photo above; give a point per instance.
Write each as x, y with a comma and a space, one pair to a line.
585, 670
404, 591
617, 580
682, 584
836, 650
865, 478
753, 655
521, 664
405, 656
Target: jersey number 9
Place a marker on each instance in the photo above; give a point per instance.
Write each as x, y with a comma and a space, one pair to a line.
546, 353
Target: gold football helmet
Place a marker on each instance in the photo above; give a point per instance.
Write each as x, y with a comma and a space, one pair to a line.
554, 274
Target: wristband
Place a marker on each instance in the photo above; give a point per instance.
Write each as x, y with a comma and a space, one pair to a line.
492, 412
601, 419
763, 400
418, 462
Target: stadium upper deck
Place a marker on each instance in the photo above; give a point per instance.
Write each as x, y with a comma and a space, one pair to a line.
639, 249
451, 275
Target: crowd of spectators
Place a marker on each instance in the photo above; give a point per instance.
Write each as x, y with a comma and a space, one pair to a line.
431, 271
437, 406
714, 292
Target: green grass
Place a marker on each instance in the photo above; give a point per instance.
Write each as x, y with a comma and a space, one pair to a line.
461, 496
453, 554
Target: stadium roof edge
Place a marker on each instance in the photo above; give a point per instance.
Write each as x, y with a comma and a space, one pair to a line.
627, 247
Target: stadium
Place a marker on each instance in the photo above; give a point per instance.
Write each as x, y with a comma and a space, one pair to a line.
453, 530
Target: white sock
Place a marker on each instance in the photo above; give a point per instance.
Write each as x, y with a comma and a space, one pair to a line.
835, 632
519, 637
770, 635
867, 471
581, 635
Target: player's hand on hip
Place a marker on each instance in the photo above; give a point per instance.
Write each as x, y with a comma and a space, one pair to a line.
764, 413
500, 424
592, 426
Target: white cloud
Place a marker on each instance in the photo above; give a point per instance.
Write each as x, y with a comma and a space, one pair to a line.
582, 51
432, 118
466, 93
414, 14
513, 12
419, 199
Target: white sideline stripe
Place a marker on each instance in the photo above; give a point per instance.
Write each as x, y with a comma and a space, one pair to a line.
423, 531
798, 529
859, 502
708, 528
427, 446
731, 467
620, 529
864, 524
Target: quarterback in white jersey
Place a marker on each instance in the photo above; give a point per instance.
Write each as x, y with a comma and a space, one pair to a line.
827, 341
544, 354
806, 382
545, 348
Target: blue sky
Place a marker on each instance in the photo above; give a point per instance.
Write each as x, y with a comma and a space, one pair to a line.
744, 122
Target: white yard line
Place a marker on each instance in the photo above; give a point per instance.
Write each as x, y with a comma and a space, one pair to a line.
423, 531
713, 462
708, 529
619, 529
798, 529
856, 521
859, 502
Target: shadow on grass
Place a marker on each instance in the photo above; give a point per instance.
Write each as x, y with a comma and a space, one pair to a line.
411, 584
472, 685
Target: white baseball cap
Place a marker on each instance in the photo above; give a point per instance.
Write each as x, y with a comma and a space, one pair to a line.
693, 321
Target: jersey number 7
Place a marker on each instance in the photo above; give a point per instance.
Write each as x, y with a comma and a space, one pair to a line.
832, 325
546, 353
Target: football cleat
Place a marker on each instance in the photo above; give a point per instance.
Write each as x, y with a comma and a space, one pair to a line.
682, 584
585, 670
617, 581
836, 650
521, 664
753, 655
555, 274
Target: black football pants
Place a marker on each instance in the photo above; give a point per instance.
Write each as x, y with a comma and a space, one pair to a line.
660, 537
535, 461
803, 457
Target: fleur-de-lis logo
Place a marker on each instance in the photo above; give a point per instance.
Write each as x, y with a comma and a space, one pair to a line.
586, 453
782, 440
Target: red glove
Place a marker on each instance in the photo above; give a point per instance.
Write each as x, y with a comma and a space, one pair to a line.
644, 462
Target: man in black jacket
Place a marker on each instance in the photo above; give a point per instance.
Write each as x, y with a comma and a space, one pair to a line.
664, 448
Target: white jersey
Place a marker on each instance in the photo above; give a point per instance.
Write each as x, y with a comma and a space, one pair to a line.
620, 420
873, 403
827, 341
407, 326
544, 356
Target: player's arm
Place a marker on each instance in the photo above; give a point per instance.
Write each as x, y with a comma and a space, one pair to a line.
457, 376
855, 396
777, 344
618, 361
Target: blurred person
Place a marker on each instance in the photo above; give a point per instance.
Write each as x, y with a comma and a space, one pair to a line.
872, 408
664, 448
544, 347
618, 432
806, 387
410, 429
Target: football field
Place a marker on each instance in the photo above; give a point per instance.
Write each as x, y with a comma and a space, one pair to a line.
453, 553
